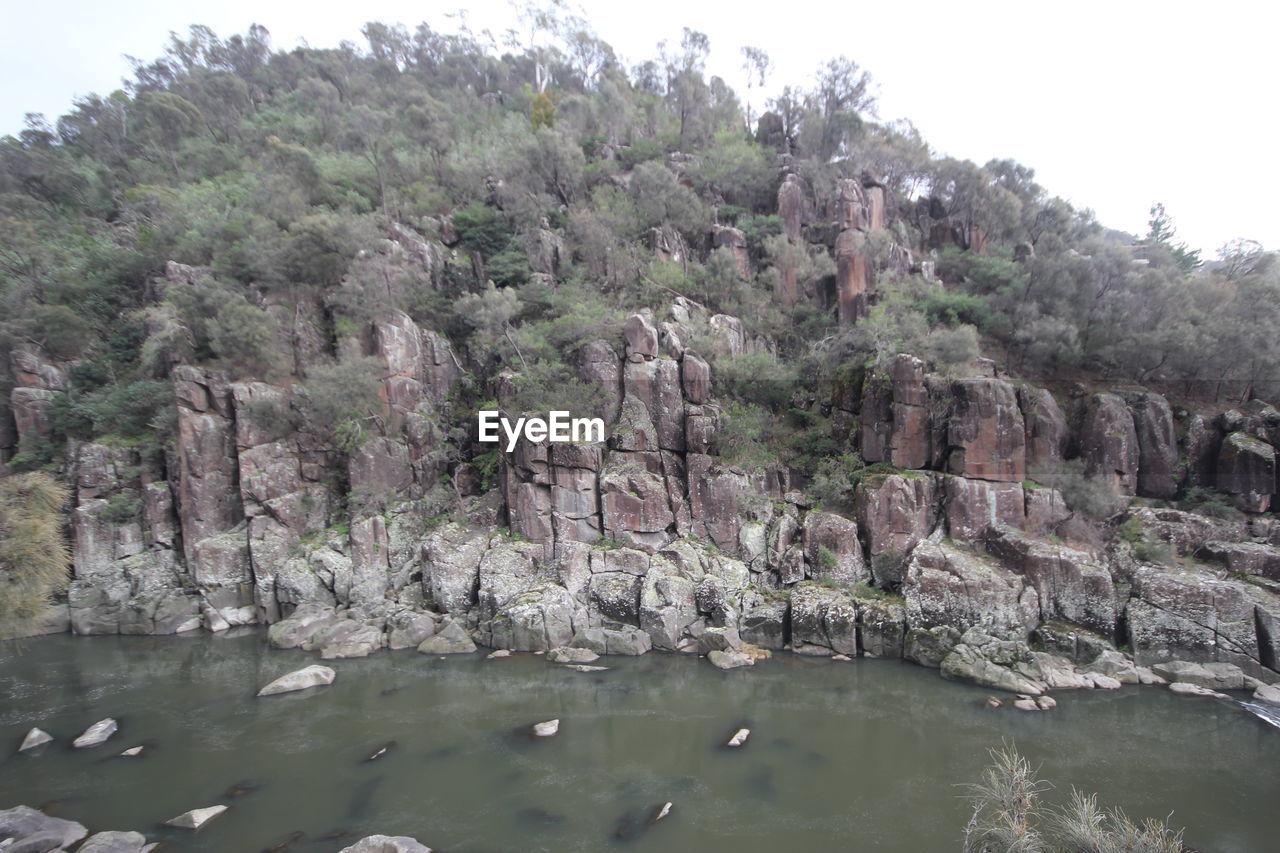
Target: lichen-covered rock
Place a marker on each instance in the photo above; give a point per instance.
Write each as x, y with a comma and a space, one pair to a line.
1071, 584
309, 676
832, 549
896, 416
25, 828
929, 646
972, 507
642, 338
1157, 446
949, 586
387, 844
1186, 613
1045, 426
986, 432
894, 513
620, 640
823, 620
882, 626
668, 606
992, 662
538, 619
1109, 443
1214, 676
763, 620
451, 639
451, 567
1247, 471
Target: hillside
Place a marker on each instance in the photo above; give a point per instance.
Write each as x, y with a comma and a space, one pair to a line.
860, 398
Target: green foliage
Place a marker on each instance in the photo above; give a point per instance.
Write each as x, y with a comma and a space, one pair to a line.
481, 228
1208, 502
342, 399
34, 557
1094, 497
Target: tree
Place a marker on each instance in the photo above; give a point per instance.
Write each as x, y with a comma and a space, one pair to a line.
1161, 232
756, 64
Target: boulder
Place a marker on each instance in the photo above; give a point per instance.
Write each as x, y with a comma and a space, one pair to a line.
547, 728
568, 654
535, 620
1247, 471
309, 676
832, 549
1214, 676
1115, 665
620, 640
991, 662
973, 506
882, 626
351, 639
1182, 689
730, 659
930, 646
1267, 693
894, 513
641, 337
196, 818
1109, 443
986, 432
35, 831
1044, 426
115, 842
297, 629
1071, 584
668, 606
946, 585
1158, 472
763, 620
1187, 613
823, 620
452, 639
35, 737
387, 844
96, 734
407, 629
739, 738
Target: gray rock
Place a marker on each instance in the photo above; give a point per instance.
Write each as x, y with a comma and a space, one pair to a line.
452, 639
386, 844
114, 842
299, 626
547, 728
351, 640
96, 734
730, 659
1213, 676
719, 639
582, 667
572, 655
623, 640
1002, 664
35, 737
1183, 689
1268, 693
24, 823
739, 738
929, 646
196, 818
309, 676
409, 628
1116, 665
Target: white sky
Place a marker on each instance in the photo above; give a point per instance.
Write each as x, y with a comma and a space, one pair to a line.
1114, 104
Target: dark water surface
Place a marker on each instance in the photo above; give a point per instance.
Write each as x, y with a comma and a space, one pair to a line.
842, 756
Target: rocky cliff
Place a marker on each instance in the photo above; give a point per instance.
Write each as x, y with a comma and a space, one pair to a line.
653, 538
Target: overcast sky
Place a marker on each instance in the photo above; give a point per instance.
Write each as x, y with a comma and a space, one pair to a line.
1114, 104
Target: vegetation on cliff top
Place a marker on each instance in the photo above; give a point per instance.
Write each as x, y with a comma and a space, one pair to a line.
555, 167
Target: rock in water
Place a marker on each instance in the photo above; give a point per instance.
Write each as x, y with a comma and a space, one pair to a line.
582, 667
96, 734
730, 659
132, 752
29, 825
453, 639
115, 842
381, 751
739, 737
1268, 693
663, 811
35, 737
196, 818
309, 676
500, 653
567, 654
548, 728
1183, 689
387, 844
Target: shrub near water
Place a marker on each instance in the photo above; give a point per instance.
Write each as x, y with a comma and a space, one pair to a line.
33, 553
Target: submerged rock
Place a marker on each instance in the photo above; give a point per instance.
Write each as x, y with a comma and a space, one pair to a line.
1183, 689
547, 728
387, 844
1212, 676
96, 734
35, 737
739, 738
196, 818
662, 811
132, 752
309, 676
730, 658
500, 653
582, 667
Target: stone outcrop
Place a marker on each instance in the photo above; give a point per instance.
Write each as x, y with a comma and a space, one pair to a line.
1109, 443
986, 432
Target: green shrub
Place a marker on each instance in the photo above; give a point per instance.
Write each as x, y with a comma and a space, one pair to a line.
1091, 496
34, 558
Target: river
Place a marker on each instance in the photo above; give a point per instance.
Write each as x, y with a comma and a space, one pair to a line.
869, 755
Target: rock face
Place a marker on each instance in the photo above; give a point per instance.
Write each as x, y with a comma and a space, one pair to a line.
309, 676
986, 432
948, 586
896, 417
1157, 446
1109, 443
1247, 471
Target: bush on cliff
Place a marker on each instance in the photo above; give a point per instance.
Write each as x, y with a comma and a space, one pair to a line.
34, 558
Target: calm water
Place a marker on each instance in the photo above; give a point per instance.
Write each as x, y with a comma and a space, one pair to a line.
842, 756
